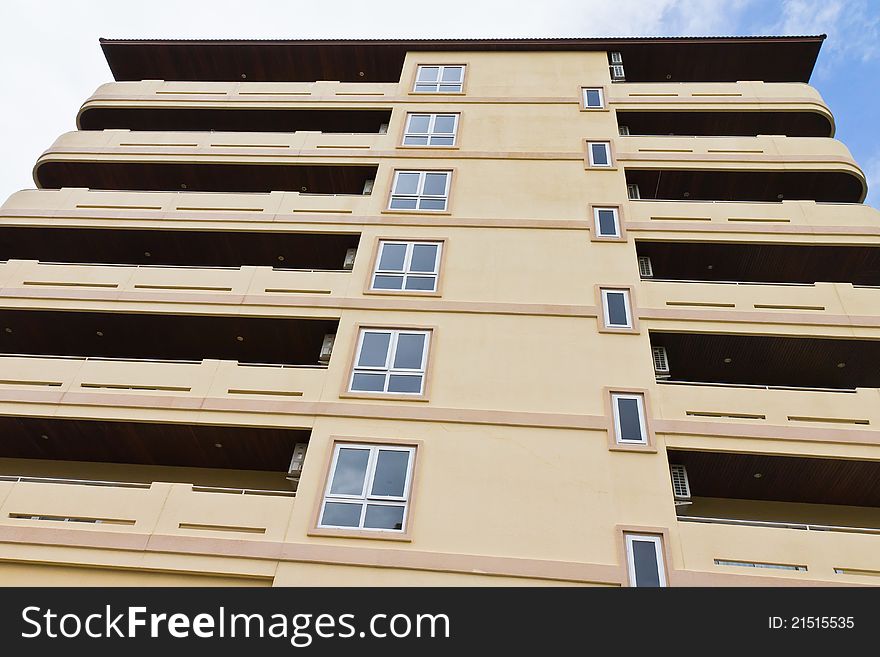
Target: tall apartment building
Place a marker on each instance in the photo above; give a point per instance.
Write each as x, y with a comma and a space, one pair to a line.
486, 312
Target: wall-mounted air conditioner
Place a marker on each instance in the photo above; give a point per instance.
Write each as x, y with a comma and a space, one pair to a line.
326, 348
661, 362
296, 461
646, 269
368, 186
632, 192
623, 130
348, 263
681, 488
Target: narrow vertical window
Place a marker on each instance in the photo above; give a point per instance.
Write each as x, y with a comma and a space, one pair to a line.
411, 266
368, 488
440, 79
600, 153
629, 418
616, 309
606, 222
593, 98
420, 190
390, 361
644, 556
430, 130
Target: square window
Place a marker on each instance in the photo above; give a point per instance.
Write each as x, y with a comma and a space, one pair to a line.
420, 190
439, 79
616, 310
606, 222
594, 98
390, 361
644, 556
599, 153
407, 266
368, 487
430, 129
629, 418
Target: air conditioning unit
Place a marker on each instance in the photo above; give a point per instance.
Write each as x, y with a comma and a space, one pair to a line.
368, 186
646, 270
661, 361
623, 130
617, 58
326, 348
617, 73
348, 263
681, 489
296, 461
383, 129
632, 192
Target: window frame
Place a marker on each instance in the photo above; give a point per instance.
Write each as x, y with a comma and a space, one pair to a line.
627, 306
405, 273
619, 235
419, 195
659, 555
430, 133
388, 370
442, 67
641, 406
366, 498
602, 100
608, 152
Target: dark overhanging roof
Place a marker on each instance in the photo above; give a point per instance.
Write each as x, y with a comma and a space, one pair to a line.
647, 59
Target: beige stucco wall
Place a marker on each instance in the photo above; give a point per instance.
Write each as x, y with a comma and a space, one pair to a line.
515, 482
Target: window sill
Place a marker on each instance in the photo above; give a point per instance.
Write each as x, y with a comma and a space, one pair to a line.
436, 93
411, 147
419, 212
402, 293
622, 447
400, 537
383, 396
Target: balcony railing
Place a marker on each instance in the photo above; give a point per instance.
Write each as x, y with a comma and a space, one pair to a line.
781, 525
157, 508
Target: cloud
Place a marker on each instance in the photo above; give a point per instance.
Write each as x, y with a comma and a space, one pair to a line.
853, 26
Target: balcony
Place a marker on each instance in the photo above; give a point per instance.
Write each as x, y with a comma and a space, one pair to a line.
740, 359
658, 219
145, 509
239, 106
180, 248
831, 304
741, 168
779, 514
154, 336
181, 210
768, 408
737, 263
209, 162
733, 109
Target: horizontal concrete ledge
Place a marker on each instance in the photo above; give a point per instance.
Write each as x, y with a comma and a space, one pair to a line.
305, 408
586, 573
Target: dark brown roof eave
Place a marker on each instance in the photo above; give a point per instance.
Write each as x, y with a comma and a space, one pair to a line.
724, 58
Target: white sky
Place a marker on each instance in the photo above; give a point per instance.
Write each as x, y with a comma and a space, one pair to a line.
53, 62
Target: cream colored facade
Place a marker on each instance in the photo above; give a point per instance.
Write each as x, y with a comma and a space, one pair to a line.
516, 480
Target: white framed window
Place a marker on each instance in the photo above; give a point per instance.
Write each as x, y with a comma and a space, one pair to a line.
616, 309
368, 487
628, 410
390, 361
606, 222
599, 153
439, 79
594, 97
644, 560
420, 190
410, 266
430, 129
